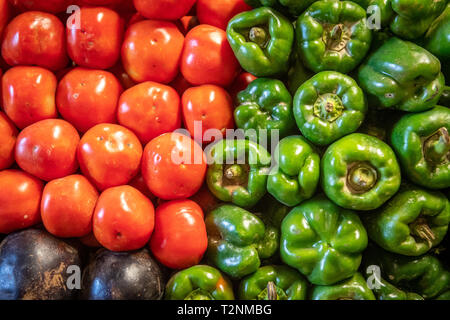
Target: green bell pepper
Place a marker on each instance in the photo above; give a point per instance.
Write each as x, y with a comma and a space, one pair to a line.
200, 282
384, 290
445, 98
294, 7
262, 41
296, 176
354, 288
412, 18
437, 39
238, 240
238, 171
266, 104
329, 106
411, 223
402, 75
274, 283
323, 241
422, 144
424, 275
333, 35
381, 7
360, 172
444, 296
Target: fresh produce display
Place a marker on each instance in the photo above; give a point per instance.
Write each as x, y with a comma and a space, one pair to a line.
225, 150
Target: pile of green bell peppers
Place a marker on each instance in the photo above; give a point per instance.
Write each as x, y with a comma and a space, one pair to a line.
348, 198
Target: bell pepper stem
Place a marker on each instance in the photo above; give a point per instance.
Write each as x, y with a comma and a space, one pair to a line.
328, 107
437, 146
421, 229
271, 291
199, 294
361, 177
259, 36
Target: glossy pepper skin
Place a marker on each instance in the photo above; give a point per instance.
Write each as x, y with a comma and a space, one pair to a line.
392, 81
412, 18
296, 176
274, 282
333, 35
360, 172
354, 288
266, 104
238, 171
422, 144
200, 282
238, 240
323, 241
437, 38
262, 41
411, 223
424, 275
384, 290
382, 6
329, 106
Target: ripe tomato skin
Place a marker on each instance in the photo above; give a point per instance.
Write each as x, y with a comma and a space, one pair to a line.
179, 240
149, 109
151, 51
96, 44
100, 2
20, 198
47, 149
67, 206
42, 41
5, 14
29, 95
123, 219
109, 155
219, 13
8, 137
168, 179
51, 6
87, 97
209, 105
207, 57
240, 84
163, 9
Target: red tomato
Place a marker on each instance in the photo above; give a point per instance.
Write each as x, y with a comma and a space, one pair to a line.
5, 13
52, 6
149, 109
100, 2
151, 51
47, 149
205, 199
179, 240
180, 84
219, 13
8, 137
119, 71
207, 107
96, 44
67, 206
109, 155
29, 95
20, 198
42, 41
164, 9
187, 23
240, 84
138, 182
207, 57
173, 166
87, 97
123, 219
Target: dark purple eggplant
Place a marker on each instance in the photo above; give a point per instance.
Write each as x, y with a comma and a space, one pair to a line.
123, 276
34, 265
